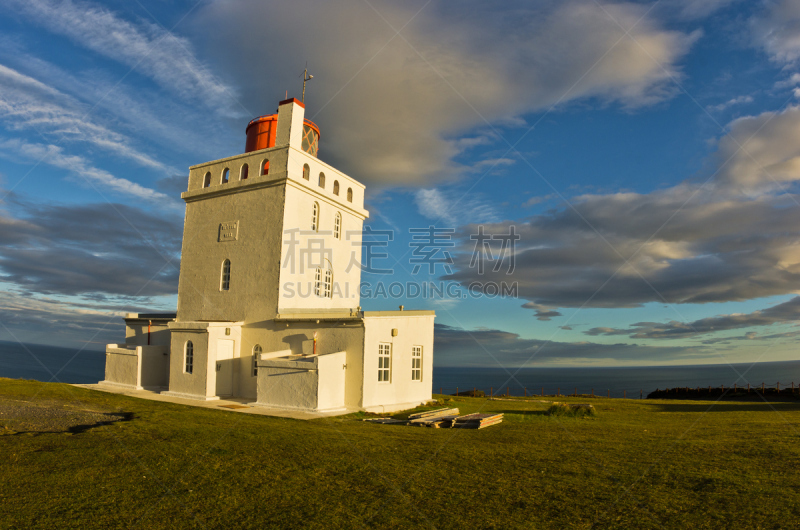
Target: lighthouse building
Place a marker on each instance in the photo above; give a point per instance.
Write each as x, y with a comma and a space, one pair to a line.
268, 296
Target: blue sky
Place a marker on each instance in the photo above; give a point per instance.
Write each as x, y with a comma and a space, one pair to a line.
646, 152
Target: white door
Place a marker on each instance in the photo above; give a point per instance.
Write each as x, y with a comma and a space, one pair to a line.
224, 367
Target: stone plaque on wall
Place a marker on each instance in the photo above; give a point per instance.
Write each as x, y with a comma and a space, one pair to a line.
229, 231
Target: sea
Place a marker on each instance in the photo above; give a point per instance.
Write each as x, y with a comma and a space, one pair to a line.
73, 365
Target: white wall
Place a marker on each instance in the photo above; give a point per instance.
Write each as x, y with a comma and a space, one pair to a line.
298, 269
330, 395
414, 328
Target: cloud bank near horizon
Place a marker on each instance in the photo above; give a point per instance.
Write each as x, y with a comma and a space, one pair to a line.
732, 237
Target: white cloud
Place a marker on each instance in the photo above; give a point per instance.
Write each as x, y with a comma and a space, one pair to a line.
777, 31
761, 151
741, 100
395, 106
165, 57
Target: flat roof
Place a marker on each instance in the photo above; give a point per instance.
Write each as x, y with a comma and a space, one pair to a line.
151, 316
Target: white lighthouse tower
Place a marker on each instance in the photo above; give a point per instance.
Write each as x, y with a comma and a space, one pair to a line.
268, 297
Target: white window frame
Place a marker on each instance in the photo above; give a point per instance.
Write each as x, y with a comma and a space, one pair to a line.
328, 293
416, 363
323, 283
384, 362
188, 357
225, 276
337, 226
315, 217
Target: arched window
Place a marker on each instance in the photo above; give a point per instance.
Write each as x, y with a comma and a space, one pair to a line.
323, 283
225, 280
188, 357
315, 217
207, 180
337, 226
225, 173
256, 357
265, 167
306, 172
349, 194
322, 180
336, 187
243, 172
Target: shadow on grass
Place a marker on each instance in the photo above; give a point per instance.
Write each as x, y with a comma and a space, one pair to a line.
114, 417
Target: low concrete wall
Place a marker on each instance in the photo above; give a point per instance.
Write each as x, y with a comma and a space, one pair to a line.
137, 367
302, 383
122, 366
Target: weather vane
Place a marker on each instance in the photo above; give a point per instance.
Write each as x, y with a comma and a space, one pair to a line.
306, 77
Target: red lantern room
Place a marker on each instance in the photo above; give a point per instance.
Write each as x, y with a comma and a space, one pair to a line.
261, 133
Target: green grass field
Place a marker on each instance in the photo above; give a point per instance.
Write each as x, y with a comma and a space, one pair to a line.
636, 464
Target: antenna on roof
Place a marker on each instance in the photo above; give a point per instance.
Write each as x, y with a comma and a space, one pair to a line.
306, 77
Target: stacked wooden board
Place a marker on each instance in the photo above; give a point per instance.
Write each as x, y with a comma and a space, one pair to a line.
433, 418
477, 421
445, 419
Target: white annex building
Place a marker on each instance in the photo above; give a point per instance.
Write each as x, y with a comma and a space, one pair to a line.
268, 297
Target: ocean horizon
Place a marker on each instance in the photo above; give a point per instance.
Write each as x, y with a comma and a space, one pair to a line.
76, 366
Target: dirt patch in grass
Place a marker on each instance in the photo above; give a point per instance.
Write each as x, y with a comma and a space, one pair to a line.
23, 417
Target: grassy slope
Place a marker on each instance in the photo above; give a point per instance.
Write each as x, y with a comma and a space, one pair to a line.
639, 464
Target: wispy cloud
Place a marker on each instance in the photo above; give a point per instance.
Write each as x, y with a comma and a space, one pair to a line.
453, 208
164, 57
81, 169
28, 104
741, 100
775, 30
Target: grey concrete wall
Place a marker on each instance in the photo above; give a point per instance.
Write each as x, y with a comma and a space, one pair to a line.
299, 338
179, 381
254, 256
122, 366
292, 388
